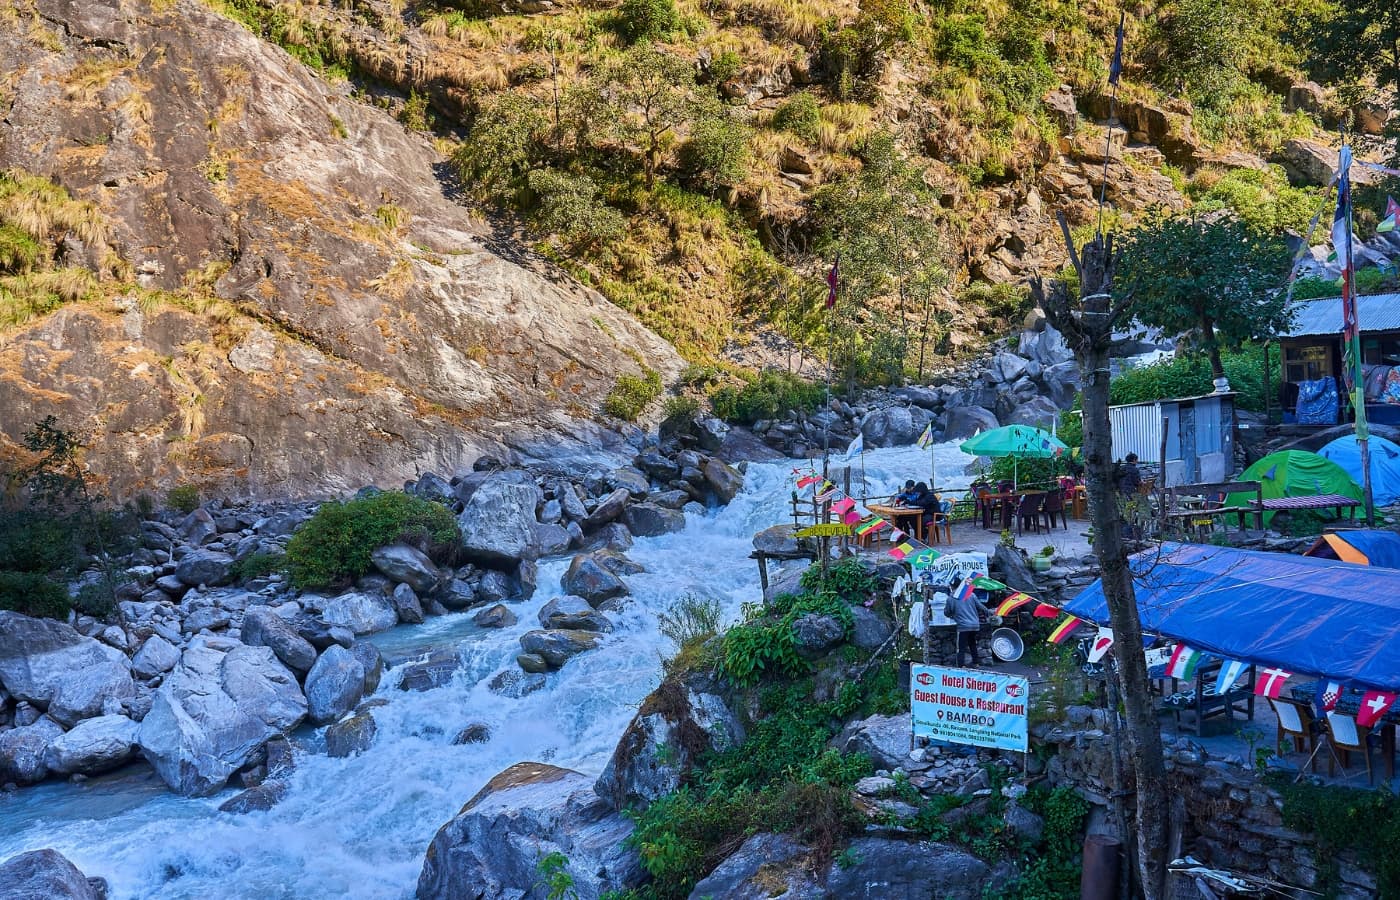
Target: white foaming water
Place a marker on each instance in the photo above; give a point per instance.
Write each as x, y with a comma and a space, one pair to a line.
359, 827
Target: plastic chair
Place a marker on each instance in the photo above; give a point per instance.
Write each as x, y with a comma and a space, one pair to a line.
1295, 720
1054, 506
1028, 512
1347, 736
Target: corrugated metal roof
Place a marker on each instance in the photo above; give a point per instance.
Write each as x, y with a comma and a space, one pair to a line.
1377, 312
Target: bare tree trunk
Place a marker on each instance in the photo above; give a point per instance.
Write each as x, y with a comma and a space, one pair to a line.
1090, 333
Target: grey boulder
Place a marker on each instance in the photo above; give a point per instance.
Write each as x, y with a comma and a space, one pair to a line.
156, 657
723, 479
93, 746
881, 868
650, 520
351, 735
496, 586
207, 567
219, 705
816, 633
51, 665
403, 564
334, 685
498, 523
588, 578
23, 751
263, 627
868, 630
47, 875
433, 672
885, 739
498, 616
361, 613
493, 847
372, 661
608, 509
406, 604
764, 866
570, 612
557, 647
962, 422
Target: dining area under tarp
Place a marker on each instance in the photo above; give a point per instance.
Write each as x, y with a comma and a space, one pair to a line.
1317, 639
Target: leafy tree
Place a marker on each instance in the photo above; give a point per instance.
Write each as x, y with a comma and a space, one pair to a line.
569, 206
1263, 199
718, 148
1199, 48
1355, 40
878, 221
506, 139
1215, 279
857, 52
650, 93
648, 20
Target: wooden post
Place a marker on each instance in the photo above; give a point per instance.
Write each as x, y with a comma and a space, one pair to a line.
1162, 476
763, 572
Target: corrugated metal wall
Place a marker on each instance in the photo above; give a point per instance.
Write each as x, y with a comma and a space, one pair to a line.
1137, 429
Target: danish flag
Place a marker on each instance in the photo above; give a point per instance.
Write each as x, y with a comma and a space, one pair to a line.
1271, 682
1373, 706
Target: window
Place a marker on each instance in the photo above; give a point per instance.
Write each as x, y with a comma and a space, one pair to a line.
1306, 363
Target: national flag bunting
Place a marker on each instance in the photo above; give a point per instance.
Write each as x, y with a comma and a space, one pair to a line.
1392, 216
897, 536
926, 439
808, 481
850, 517
825, 492
1328, 693
1270, 683
1230, 672
1183, 662
924, 557
1063, 629
965, 589
1013, 603
872, 525
1373, 706
1103, 642
988, 584
843, 505
902, 550
1045, 611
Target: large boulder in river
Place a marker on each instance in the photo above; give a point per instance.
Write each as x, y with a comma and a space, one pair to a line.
498, 523
23, 750
334, 685
573, 613
223, 702
650, 520
263, 627
51, 665
608, 509
493, 847
207, 567
558, 646
894, 426
403, 564
588, 578
962, 422
406, 604
47, 875
93, 746
678, 722
361, 613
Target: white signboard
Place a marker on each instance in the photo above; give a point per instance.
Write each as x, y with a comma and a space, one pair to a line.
950, 568
970, 706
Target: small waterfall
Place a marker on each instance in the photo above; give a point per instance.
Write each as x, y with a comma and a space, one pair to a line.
359, 827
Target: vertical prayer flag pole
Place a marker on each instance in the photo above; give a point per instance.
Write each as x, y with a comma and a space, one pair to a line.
1115, 73
833, 281
1351, 328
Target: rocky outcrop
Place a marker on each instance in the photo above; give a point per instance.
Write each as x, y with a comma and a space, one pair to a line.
493, 846
362, 613
23, 751
882, 868
765, 865
403, 564
221, 704
588, 578
47, 875
388, 304
558, 646
51, 665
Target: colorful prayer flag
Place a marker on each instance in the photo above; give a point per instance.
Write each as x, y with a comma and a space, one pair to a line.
1103, 642
808, 481
1063, 629
833, 279
1045, 611
1373, 706
1392, 216
1013, 603
1271, 681
1183, 662
926, 439
1230, 672
856, 448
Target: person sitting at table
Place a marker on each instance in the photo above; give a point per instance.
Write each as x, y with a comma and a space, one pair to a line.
905, 497
933, 506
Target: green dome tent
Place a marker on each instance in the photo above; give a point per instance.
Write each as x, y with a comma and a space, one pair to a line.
1295, 473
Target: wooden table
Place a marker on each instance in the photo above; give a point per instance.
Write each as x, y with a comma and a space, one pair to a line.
1320, 501
896, 514
1007, 501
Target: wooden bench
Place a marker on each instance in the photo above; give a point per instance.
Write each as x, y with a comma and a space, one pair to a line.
1210, 490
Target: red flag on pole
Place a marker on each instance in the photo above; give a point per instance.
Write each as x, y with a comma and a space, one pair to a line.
833, 280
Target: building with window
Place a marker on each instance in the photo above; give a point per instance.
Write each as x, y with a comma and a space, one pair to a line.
1312, 355
1199, 436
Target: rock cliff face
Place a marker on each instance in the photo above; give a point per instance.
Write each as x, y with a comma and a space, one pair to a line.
297, 302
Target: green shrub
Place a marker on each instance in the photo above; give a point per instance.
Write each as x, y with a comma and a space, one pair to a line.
800, 115
718, 150
1340, 818
647, 20
1189, 376
33, 595
415, 113
569, 206
724, 67
333, 547
631, 395
184, 498
676, 412
765, 645
257, 565
771, 395
34, 541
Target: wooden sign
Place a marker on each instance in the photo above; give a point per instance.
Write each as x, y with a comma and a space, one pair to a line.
832, 529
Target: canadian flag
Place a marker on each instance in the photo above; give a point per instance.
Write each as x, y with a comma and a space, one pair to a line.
1373, 706
1270, 682
1102, 642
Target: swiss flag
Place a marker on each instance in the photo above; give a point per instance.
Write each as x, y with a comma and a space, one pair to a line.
1373, 706
1270, 682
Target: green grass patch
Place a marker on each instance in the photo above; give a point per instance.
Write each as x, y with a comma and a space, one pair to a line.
632, 394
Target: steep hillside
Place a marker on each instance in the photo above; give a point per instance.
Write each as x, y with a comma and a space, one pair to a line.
268, 286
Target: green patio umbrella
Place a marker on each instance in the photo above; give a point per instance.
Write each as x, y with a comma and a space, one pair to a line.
1015, 441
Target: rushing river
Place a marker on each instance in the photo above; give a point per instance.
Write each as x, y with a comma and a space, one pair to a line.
358, 827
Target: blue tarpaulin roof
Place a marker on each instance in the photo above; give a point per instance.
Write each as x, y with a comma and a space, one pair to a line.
1382, 548
1310, 616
